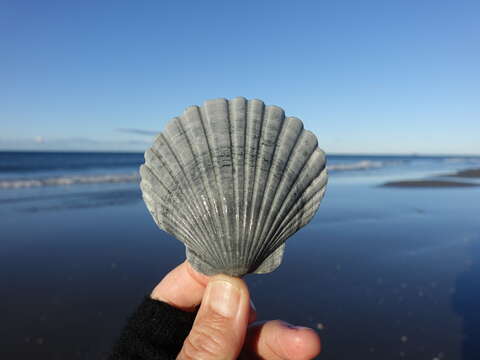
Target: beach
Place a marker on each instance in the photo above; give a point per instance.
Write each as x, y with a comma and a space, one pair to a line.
381, 272
233, 108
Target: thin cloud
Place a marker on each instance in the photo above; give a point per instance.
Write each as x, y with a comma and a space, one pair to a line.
138, 131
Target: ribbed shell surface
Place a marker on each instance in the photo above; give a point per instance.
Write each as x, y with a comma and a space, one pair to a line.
232, 180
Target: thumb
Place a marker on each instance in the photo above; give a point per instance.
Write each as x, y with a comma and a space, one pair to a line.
218, 332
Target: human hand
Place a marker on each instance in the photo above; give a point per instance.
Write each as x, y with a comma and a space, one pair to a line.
224, 328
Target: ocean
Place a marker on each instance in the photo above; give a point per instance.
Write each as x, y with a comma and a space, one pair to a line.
380, 273
40, 169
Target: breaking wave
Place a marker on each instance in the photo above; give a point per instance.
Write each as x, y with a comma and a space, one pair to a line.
359, 165
135, 177
68, 180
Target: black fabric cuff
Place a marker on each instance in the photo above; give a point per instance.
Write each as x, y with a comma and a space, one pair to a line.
155, 331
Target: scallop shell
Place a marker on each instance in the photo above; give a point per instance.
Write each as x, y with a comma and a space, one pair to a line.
233, 180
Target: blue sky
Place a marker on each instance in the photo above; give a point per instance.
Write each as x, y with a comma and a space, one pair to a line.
365, 76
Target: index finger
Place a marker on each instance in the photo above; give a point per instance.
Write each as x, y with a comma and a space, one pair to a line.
183, 288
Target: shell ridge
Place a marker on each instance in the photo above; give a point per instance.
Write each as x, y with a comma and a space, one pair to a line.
272, 123
304, 216
209, 229
293, 187
253, 176
276, 201
290, 202
183, 198
179, 164
151, 206
315, 185
245, 179
301, 220
215, 216
255, 192
234, 168
289, 207
248, 175
211, 219
171, 223
293, 182
280, 196
266, 211
146, 182
168, 222
198, 261
272, 261
309, 197
232, 251
166, 210
228, 204
235, 107
175, 156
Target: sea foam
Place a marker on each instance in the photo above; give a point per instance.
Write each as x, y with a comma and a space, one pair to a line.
359, 165
68, 180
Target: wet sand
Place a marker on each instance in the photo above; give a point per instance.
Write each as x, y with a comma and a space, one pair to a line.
470, 173
438, 183
379, 273
428, 184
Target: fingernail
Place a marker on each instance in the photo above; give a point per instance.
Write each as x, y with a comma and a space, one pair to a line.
223, 298
290, 326
252, 305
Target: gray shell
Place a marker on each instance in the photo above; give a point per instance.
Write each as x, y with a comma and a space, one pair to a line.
232, 180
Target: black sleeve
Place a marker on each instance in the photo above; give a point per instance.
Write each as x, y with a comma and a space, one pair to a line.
155, 331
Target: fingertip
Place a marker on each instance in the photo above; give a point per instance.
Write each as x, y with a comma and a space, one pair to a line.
236, 282
299, 343
183, 287
278, 340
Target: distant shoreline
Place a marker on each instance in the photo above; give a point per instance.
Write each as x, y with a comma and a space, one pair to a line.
439, 183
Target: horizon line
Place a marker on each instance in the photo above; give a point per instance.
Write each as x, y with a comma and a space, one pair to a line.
419, 154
